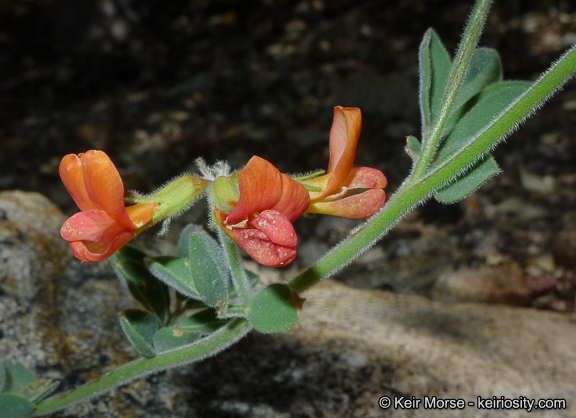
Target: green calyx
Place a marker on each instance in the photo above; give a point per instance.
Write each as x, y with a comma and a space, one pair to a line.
309, 176
176, 197
224, 193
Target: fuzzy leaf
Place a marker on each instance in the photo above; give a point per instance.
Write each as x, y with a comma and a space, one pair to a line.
184, 240
490, 103
13, 406
253, 279
176, 273
435, 65
193, 304
209, 269
140, 327
484, 69
2, 376
39, 389
272, 309
204, 322
166, 339
413, 147
17, 377
129, 266
469, 182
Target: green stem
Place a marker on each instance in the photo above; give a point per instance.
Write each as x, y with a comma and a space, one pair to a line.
359, 241
237, 311
415, 191
238, 274
469, 41
239, 277
218, 341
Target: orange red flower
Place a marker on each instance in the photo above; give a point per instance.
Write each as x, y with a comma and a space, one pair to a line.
339, 191
104, 224
261, 221
255, 207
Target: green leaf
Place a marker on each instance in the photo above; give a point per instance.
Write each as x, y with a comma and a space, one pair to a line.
272, 309
203, 322
469, 182
484, 69
17, 377
184, 240
129, 266
413, 147
209, 269
39, 389
170, 338
176, 273
253, 279
140, 327
13, 406
490, 103
192, 304
2, 376
435, 65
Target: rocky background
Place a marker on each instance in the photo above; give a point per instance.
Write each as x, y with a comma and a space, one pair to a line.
158, 84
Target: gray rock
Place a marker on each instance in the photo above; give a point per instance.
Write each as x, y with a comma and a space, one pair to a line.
350, 347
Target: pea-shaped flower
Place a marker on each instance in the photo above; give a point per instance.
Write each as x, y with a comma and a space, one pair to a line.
260, 221
346, 191
104, 224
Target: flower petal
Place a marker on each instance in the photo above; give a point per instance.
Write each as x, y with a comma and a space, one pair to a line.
294, 199
105, 187
91, 252
71, 173
357, 206
260, 186
365, 178
344, 136
277, 227
92, 225
257, 244
141, 213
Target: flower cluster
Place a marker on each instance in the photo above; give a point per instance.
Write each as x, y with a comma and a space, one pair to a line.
255, 207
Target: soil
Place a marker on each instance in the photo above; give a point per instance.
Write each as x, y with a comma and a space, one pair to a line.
158, 84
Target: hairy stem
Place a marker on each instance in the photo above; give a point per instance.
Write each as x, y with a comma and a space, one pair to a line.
218, 341
239, 277
414, 191
469, 41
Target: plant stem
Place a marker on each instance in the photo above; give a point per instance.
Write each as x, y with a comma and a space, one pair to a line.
218, 341
414, 192
359, 241
239, 277
238, 274
469, 41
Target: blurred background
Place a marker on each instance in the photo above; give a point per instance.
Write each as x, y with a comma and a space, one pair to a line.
157, 84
